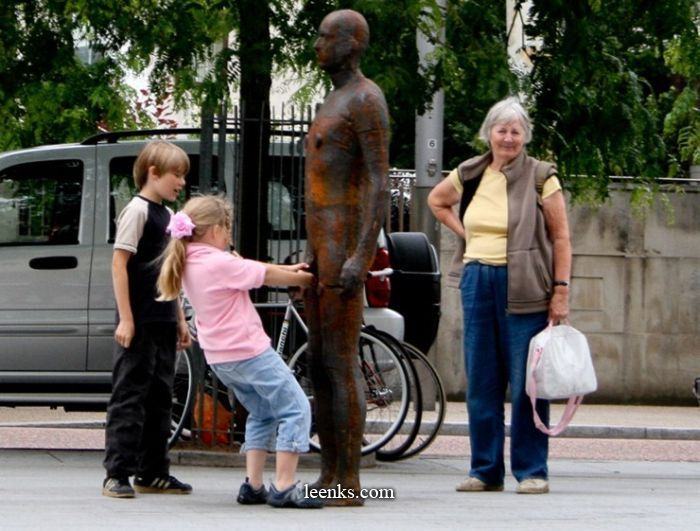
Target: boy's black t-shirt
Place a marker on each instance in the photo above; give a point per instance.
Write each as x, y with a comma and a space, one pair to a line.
141, 231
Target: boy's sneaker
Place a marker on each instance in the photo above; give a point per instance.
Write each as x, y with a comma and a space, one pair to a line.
292, 497
117, 488
247, 495
161, 485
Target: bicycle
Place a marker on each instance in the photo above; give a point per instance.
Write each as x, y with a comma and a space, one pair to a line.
433, 406
427, 415
385, 380
384, 377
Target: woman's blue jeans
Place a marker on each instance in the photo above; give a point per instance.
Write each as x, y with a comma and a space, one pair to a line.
495, 355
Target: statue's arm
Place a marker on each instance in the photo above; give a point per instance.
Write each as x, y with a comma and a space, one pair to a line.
371, 120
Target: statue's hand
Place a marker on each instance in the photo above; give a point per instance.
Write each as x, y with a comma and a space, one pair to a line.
309, 257
350, 276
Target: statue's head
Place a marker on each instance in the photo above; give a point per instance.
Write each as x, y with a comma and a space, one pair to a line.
342, 38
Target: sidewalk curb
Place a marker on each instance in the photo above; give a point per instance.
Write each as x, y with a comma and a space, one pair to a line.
237, 460
461, 429
196, 457
597, 432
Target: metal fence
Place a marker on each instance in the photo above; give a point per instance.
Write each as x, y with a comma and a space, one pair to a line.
272, 185
268, 200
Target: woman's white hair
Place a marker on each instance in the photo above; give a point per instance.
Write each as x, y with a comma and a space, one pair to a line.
503, 112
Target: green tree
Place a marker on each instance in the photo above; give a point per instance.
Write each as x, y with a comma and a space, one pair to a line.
47, 94
180, 40
597, 86
614, 89
391, 60
473, 69
682, 123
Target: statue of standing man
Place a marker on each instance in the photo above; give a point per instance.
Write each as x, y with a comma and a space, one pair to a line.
347, 166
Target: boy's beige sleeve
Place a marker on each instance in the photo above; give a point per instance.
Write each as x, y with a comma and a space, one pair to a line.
130, 226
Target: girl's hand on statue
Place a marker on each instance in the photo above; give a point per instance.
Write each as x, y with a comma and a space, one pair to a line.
306, 279
297, 267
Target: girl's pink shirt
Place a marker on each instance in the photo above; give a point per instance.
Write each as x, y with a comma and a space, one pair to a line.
217, 284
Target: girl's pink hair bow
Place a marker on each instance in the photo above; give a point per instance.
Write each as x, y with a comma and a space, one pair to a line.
180, 226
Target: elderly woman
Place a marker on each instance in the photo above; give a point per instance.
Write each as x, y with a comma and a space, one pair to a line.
514, 264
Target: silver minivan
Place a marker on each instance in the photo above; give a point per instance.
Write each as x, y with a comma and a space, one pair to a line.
58, 207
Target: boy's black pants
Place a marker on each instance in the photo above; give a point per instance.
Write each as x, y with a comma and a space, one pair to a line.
138, 414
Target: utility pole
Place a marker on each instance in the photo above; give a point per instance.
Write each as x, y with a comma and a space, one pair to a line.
428, 149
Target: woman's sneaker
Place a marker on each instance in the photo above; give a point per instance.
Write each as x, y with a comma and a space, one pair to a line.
472, 484
247, 495
161, 485
533, 486
117, 488
292, 497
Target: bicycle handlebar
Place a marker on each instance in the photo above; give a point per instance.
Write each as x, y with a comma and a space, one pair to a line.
386, 272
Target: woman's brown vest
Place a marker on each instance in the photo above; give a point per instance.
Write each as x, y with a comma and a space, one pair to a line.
529, 251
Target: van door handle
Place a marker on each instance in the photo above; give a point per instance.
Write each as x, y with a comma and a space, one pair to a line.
54, 262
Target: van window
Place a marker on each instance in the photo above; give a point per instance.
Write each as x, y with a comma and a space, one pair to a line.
40, 203
122, 187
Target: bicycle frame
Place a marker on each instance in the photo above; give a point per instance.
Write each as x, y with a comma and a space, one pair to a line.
289, 313
292, 312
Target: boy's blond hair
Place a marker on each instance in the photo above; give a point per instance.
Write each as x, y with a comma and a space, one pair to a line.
165, 156
205, 212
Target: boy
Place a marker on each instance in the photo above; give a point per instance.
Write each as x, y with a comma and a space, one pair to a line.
147, 335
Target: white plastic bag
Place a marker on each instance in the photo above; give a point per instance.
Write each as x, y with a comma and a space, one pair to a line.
559, 365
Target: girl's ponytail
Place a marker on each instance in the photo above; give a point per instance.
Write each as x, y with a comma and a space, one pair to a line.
170, 278
197, 216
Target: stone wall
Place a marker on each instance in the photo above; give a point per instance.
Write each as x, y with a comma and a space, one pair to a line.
635, 294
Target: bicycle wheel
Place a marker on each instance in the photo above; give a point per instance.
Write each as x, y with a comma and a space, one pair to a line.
183, 396
433, 401
385, 383
408, 431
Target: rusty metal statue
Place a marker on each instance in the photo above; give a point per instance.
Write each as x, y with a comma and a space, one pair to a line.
346, 192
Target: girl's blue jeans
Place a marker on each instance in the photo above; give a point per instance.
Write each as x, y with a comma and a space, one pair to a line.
279, 414
495, 355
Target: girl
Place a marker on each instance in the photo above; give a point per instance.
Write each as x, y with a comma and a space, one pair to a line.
235, 345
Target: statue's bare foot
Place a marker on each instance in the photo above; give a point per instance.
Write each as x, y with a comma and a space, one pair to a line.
324, 482
344, 502
336, 495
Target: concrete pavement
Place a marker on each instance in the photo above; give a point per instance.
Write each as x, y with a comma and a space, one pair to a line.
61, 490
633, 481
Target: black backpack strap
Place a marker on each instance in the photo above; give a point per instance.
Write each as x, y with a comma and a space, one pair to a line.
468, 190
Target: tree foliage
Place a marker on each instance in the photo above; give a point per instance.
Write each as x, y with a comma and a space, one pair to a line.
473, 70
391, 60
614, 89
47, 94
682, 123
598, 87
179, 40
